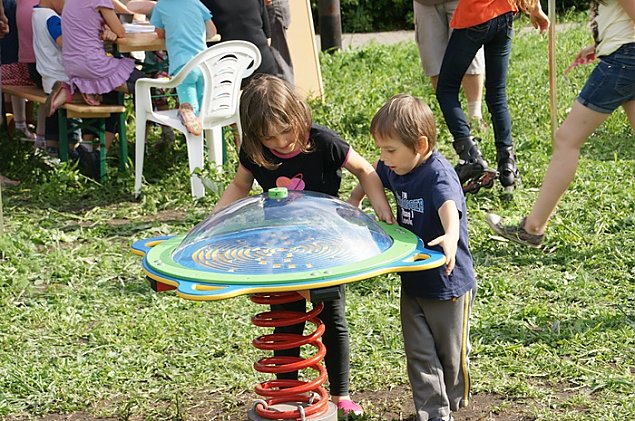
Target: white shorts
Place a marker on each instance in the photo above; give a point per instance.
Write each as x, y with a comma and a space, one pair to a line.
432, 33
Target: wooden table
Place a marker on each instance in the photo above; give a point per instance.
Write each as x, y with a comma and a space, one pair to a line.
145, 41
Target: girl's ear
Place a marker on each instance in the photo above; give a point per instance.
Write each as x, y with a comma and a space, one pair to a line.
423, 147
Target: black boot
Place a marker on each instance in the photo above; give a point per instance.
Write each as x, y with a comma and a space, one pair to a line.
472, 168
508, 172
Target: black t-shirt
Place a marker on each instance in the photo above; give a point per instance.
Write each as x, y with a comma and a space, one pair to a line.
419, 195
318, 170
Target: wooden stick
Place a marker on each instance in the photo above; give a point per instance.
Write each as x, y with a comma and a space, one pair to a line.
1, 214
553, 88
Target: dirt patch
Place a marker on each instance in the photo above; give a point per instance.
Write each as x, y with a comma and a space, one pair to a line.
390, 405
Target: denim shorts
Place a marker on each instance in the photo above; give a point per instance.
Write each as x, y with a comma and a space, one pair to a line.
612, 82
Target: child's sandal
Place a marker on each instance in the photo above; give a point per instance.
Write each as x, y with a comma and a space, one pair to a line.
190, 120
91, 99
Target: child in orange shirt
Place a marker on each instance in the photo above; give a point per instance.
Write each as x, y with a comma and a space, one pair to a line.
487, 23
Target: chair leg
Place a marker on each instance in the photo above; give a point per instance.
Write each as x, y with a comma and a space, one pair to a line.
195, 156
215, 145
140, 143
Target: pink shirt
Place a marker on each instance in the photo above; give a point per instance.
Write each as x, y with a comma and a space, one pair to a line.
23, 12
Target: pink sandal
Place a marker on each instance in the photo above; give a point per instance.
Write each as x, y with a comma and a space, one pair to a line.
348, 407
60, 95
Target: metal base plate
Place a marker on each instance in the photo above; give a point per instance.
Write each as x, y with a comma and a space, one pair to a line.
329, 415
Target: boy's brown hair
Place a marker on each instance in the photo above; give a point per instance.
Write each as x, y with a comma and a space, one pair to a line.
269, 106
405, 117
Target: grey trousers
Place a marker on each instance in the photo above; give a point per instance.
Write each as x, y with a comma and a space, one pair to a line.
280, 19
436, 338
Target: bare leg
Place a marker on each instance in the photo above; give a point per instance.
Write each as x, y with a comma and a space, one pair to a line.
110, 136
574, 132
629, 107
41, 122
473, 87
19, 116
18, 106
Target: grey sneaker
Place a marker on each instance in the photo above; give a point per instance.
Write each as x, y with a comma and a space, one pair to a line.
515, 233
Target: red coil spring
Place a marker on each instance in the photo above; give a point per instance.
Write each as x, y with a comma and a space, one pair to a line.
289, 391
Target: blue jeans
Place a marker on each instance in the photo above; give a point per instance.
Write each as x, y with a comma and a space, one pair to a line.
612, 82
496, 37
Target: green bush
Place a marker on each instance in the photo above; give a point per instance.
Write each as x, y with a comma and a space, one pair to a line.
390, 15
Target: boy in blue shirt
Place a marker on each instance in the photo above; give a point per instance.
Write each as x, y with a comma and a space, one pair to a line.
435, 304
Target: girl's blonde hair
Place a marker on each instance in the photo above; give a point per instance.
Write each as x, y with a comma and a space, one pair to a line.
407, 118
269, 106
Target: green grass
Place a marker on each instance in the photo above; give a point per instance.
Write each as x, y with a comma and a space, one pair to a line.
553, 331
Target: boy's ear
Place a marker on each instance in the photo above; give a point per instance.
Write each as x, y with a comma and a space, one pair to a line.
422, 145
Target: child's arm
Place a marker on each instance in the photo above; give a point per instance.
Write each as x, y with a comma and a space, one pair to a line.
112, 20
237, 189
121, 8
449, 215
210, 30
4, 22
357, 195
371, 185
629, 8
160, 32
538, 18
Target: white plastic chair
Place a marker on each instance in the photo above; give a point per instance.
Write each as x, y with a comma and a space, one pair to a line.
224, 66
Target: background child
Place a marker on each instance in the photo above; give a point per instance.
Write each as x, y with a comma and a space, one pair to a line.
47, 46
435, 304
279, 12
432, 33
14, 72
245, 20
281, 144
611, 84
4, 30
85, 25
487, 23
184, 24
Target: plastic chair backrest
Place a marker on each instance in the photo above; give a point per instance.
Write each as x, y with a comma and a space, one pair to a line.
224, 66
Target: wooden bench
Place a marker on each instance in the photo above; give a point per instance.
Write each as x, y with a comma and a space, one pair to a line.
93, 121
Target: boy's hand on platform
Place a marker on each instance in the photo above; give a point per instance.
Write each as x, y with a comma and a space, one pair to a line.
385, 215
449, 249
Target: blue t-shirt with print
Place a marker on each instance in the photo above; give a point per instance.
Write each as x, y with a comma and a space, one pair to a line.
419, 195
184, 24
